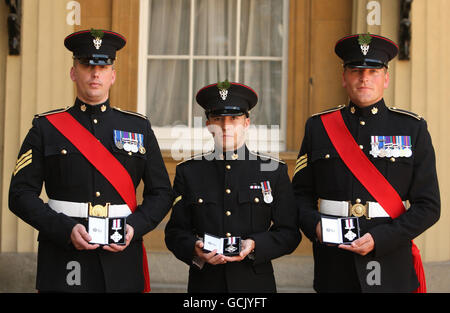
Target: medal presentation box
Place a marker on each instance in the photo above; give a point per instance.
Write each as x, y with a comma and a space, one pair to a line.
343, 230
105, 231
229, 246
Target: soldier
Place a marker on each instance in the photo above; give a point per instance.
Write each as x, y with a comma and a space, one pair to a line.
91, 158
365, 160
230, 196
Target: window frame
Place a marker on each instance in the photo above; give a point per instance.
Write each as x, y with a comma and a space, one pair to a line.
164, 135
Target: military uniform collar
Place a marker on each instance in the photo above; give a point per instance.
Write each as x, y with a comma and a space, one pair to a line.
376, 109
241, 153
92, 109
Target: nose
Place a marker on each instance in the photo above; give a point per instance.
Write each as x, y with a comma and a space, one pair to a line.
95, 70
364, 75
227, 123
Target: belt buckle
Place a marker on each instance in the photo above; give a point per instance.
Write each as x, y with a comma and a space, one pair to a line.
99, 210
358, 210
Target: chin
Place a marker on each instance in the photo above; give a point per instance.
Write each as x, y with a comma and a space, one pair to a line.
365, 100
96, 97
228, 147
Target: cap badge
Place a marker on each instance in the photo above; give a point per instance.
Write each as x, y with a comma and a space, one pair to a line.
223, 89
364, 41
98, 35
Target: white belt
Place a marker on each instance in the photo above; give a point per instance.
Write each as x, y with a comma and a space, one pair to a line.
346, 208
80, 209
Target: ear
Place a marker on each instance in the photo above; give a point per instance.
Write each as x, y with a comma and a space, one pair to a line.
386, 81
113, 77
247, 122
344, 82
72, 73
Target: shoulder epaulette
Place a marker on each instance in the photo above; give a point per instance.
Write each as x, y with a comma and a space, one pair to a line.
416, 116
194, 156
339, 107
52, 112
266, 156
130, 112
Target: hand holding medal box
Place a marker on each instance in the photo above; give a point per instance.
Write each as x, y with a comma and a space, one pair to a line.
105, 231
342, 230
229, 246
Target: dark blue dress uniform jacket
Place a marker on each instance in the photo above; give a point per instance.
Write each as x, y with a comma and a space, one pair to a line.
205, 206
69, 176
325, 176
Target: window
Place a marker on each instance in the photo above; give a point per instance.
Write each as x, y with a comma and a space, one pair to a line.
187, 44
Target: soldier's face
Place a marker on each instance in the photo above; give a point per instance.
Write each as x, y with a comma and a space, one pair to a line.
93, 82
365, 86
228, 131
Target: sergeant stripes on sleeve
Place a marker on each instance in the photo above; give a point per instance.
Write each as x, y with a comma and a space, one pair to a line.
301, 163
24, 160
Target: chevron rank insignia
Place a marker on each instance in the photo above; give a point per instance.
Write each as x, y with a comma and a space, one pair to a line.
302, 162
24, 160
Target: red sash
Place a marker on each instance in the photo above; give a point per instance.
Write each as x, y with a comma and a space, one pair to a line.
103, 161
369, 176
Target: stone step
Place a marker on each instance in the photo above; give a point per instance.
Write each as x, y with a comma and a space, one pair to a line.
293, 273
167, 274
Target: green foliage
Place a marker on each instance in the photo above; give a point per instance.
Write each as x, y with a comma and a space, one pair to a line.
364, 39
224, 85
97, 33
